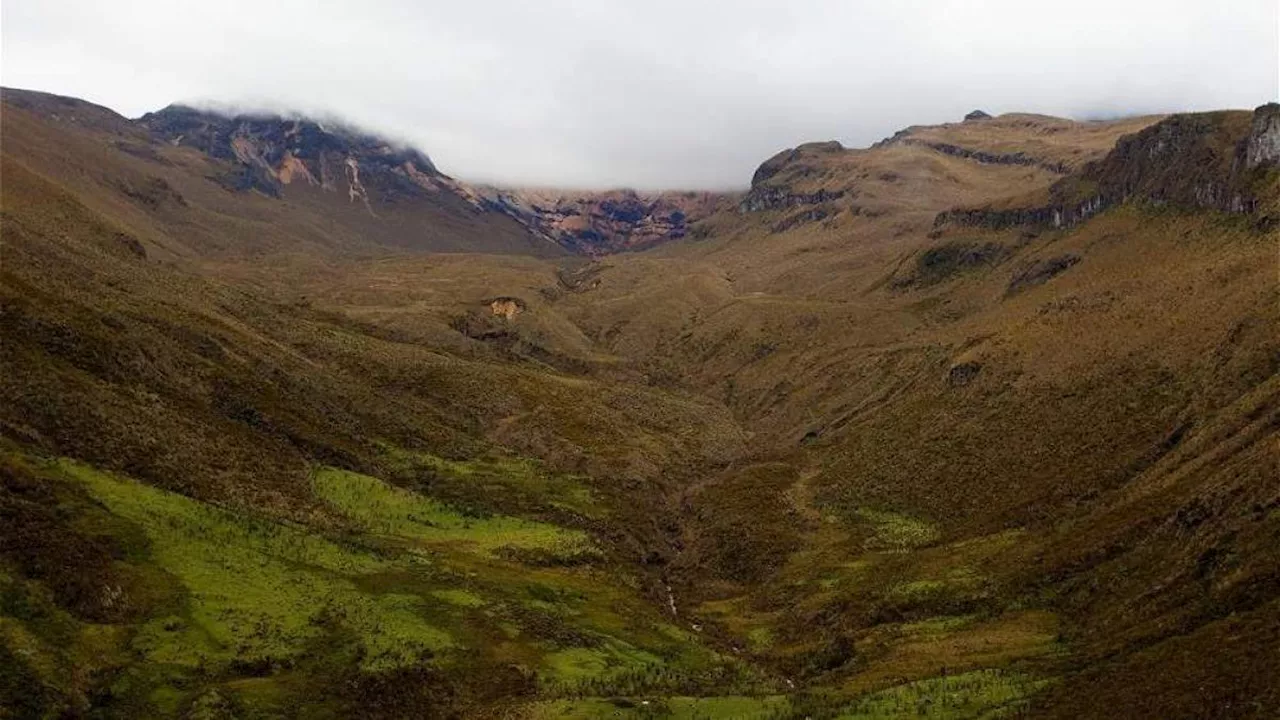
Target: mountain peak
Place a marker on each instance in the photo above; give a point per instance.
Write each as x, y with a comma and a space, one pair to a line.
277, 149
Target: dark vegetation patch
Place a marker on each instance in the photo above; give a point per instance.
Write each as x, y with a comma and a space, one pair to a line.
963, 373
803, 217
152, 193
949, 260
50, 533
1039, 272
748, 498
144, 150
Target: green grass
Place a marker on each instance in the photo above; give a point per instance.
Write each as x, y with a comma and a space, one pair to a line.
959, 583
895, 531
461, 598
938, 625
259, 605
574, 665
497, 482
760, 638
676, 707
977, 694
918, 590
383, 509
259, 591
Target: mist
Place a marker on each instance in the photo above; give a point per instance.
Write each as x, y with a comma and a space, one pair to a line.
657, 94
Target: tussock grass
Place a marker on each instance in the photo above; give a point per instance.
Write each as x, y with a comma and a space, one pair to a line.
982, 693
499, 483
896, 531
383, 509
674, 707
259, 591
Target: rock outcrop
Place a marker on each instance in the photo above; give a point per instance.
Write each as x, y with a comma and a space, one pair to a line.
1263, 146
598, 223
773, 186
778, 198
507, 307
270, 151
989, 158
976, 115
775, 164
1223, 161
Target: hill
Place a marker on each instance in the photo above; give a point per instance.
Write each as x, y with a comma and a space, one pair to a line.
980, 420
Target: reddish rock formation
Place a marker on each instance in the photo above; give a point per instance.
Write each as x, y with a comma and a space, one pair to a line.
598, 223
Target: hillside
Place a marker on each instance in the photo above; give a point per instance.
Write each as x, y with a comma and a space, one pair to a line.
979, 421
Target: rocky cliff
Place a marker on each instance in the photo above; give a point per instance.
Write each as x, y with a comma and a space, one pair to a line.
602, 222
1263, 145
1225, 161
271, 151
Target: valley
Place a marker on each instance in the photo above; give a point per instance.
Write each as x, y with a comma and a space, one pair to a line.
980, 421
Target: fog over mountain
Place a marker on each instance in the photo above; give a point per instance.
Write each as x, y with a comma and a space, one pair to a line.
654, 94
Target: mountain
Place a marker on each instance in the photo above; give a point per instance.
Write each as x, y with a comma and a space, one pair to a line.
595, 223
978, 421
273, 151
224, 176
270, 152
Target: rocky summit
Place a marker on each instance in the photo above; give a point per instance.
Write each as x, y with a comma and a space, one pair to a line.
270, 151
980, 421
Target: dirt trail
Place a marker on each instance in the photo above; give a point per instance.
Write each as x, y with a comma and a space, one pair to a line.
800, 495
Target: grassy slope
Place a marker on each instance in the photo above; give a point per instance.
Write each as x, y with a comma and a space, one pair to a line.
771, 421
1120, 422
205, 602
221, 400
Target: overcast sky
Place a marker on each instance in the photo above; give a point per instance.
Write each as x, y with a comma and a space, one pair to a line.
666, 93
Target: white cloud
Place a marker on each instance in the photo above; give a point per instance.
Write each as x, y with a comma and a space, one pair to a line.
649, 94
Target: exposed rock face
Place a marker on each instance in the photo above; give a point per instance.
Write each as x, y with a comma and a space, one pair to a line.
963, 374
1217, 161
802, 218
1264, 136
271, 151
944, 262
507, 307
769, 192
897, 137
976, 115
1040, 272
597, 223
988, 158
773, 165
777, 198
